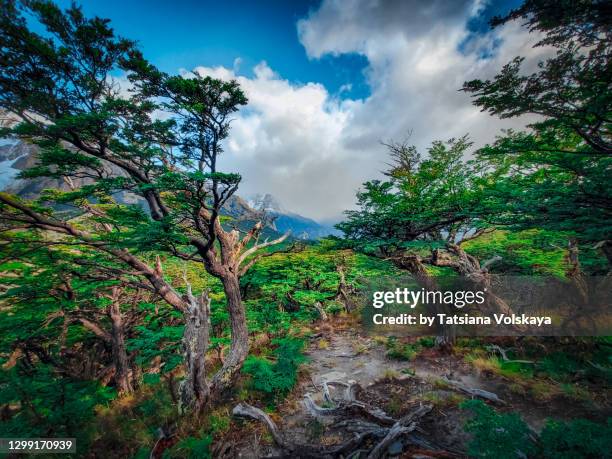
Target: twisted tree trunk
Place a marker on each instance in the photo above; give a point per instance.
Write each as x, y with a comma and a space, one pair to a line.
119, 352
412, 263
194, 390
343, 294
239, 348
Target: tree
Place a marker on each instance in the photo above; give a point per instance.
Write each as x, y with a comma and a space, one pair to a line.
57, 296
160, 142
422, 214
571, 91
556, 174
430, 200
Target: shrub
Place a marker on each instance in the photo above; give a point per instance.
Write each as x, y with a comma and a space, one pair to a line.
399, 351
499, 436
191, 448
427, 341
506, 435
575, 439
276, 377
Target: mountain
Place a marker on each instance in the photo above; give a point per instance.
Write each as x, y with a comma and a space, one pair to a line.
15, 157
283, 220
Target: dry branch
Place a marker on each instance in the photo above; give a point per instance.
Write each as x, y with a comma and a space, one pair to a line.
475, 392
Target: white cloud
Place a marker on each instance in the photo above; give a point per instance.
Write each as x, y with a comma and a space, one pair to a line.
288, 142
313, 151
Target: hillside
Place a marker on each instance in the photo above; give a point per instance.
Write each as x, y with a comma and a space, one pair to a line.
19, 156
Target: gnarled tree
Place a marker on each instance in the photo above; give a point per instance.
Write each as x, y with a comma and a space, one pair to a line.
422, 214
149, 136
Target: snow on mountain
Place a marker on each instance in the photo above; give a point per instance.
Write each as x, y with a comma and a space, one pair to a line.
283, 220
17, 156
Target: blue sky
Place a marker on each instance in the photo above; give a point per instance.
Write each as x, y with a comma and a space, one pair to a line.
304, 137
187, 33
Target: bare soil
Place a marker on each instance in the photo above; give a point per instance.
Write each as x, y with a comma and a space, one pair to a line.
343, 353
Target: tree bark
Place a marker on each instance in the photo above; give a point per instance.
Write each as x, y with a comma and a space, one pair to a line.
413, 264
343, 293
120, 357
194, 389
239, 348
469, 267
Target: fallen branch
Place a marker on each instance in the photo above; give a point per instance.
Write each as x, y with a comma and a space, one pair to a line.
475, 392
406, 424
394, 432
504, 355
244, 410
303, 451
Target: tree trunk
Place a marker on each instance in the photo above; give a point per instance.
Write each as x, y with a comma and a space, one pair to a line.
239, 349
344, 291
469, 267
194, 389
120, 357
606, 249
413, 264
319, 307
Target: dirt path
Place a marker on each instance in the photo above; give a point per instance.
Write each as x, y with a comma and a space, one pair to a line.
345, 355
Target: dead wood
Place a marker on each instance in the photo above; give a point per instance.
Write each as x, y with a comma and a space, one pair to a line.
394, 432
319, 307
380, 427
475, 392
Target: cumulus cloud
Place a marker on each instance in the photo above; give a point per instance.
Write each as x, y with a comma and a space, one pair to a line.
287, 142
313, 150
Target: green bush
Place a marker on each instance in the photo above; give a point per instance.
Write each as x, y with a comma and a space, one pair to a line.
507, 435
499, 436
190, 448
427, 341
276, 377
399, 351
576, 439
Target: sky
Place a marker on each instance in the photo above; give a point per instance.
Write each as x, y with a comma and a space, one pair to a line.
329, 81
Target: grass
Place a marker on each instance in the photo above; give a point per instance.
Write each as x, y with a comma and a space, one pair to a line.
389, 373
400, 351
523, 381
360, 348
443, 399
394, 405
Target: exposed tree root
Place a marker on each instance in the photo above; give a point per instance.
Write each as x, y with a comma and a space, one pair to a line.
370, 437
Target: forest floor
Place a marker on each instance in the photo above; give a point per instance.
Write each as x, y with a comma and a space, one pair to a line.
342, 352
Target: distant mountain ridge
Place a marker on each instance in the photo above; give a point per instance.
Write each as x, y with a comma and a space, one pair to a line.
15, 157
283, 220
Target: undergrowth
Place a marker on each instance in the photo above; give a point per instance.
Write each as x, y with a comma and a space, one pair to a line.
507, 436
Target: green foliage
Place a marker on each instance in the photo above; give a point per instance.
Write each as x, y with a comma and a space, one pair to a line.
284, 287
508, 436
190, 448
556, 175
401, 351
542, 186
278, 376
421, 199
50, 405
158, 337
578, 438
427, 341
530, 252
559, 365
501, 436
